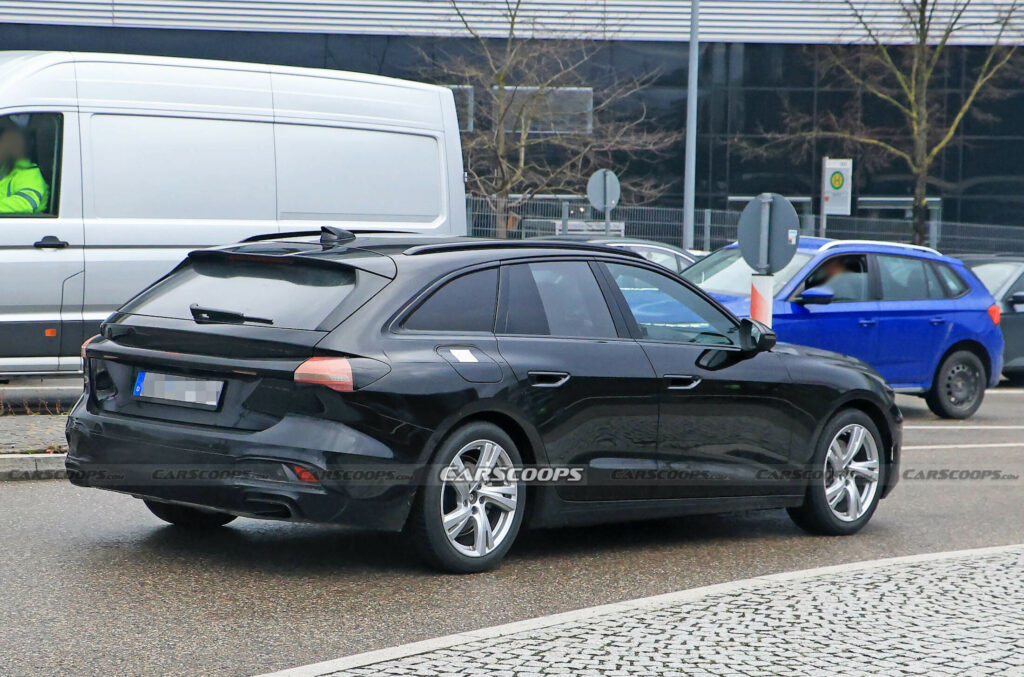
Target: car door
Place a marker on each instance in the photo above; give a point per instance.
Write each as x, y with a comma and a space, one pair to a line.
41, 261
914, 317
585, 383
848, 324
725, 424
1012, 324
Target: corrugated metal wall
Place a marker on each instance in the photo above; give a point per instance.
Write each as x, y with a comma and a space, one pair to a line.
774, 21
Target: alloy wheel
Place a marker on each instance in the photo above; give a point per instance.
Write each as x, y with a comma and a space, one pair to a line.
851, 472
477, 511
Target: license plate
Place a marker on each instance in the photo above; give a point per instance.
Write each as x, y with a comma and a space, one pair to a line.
179, 390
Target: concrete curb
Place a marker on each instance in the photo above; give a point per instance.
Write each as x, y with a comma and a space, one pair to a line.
405, 650
14, 467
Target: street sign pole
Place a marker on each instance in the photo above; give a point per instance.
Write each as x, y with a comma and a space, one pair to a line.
690, 168
761, 283
607, 208
822, 229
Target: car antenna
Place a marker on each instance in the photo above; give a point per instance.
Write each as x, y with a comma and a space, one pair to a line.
332, 236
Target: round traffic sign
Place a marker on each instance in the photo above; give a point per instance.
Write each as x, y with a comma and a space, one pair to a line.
780, 240
603, 189
837, 180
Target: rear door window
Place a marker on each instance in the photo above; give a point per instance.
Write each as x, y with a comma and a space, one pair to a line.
903, 278
292, 296
465, 304
560, 298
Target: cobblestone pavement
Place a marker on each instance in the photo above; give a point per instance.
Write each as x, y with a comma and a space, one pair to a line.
957, 616
21, 433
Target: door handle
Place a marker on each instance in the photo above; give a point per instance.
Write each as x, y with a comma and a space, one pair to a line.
867, 323
50, 242
548, 379
938, 320
680, 382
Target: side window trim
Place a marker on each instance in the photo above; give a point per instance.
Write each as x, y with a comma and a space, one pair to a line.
398, 324
625, 325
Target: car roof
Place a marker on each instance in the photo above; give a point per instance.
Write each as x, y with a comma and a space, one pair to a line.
814, 245
401, 247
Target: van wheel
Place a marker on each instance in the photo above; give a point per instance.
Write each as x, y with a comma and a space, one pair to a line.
189, 518
463, 523
847, 479
959, 386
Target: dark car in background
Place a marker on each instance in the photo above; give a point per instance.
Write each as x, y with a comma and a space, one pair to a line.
270, 379
1003, 276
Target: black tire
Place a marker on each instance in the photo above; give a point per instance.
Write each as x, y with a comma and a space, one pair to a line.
425, 528
959, 386
188, 518
815, 515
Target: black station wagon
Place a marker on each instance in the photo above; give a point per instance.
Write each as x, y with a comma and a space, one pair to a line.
400, 382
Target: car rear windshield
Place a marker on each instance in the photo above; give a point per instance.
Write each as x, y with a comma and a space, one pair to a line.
295, 296
725, 272
995, 275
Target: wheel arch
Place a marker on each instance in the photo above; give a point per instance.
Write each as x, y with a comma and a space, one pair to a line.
869, 407
971, 346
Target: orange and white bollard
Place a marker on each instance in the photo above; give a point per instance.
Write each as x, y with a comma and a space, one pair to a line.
762, 295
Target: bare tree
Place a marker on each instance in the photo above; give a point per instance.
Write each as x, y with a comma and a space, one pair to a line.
546, 113
898, 75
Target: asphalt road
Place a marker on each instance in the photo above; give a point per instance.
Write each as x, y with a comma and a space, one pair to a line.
91, 583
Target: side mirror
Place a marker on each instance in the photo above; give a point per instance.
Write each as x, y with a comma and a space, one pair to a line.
816, 296
1016, 300
756, 337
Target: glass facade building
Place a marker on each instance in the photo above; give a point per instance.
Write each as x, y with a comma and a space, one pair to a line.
745, 91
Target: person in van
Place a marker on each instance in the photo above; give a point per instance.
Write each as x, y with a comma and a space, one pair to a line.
23, 190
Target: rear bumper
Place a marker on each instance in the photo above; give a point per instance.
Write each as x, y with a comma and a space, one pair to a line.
360, 482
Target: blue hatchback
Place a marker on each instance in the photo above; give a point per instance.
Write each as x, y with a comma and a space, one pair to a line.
923, 320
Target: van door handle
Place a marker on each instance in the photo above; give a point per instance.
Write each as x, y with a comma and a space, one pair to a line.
867, 323
938, 320
680, 382
548, 379
50, 242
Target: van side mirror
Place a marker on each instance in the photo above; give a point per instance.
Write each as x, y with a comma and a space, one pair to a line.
756, 337
816, 296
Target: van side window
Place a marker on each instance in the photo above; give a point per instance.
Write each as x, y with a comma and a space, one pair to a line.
30, 152
463, 304
903, 279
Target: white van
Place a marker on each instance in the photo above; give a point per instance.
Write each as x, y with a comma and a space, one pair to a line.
146, 158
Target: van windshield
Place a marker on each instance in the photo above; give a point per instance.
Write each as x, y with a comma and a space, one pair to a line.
233, 291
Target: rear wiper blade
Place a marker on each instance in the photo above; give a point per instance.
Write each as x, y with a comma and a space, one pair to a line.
214, 316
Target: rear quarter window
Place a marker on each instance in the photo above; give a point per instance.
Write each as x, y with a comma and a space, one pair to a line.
292, 296
466, 303
955, 284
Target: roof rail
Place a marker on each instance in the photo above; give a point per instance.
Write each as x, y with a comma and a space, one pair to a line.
313, 233
516, 244
838, 243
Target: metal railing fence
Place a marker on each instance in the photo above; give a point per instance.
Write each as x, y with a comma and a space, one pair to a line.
714, 228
